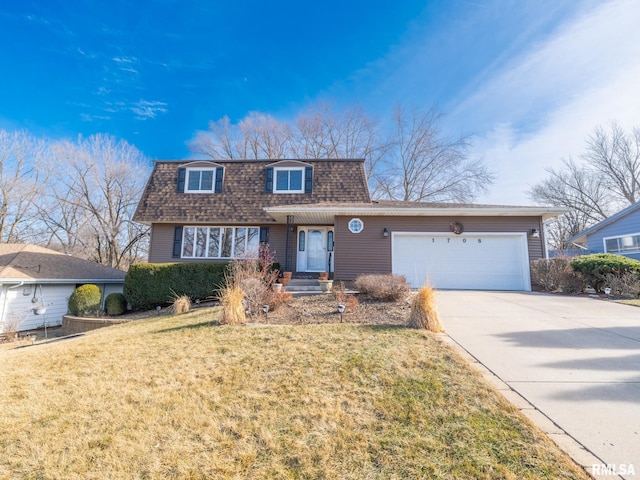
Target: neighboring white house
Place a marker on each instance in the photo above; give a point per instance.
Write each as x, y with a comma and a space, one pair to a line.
36, 282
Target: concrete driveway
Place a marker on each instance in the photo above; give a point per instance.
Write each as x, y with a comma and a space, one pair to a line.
575, 360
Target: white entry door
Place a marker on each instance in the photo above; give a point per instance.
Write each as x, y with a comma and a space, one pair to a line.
315, 249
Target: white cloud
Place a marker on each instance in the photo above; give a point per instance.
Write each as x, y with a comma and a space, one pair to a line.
145, 109
542, 107
125, 60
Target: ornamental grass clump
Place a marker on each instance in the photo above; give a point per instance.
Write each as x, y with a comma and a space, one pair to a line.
233, 309
181, 304
424, 314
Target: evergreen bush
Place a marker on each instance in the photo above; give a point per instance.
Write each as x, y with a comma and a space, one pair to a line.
85, 300
115, 304
597, 266
148, 285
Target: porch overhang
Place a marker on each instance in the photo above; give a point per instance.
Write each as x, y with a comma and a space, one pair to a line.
324, 214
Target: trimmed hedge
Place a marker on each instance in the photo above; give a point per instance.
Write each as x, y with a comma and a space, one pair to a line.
85, 300
148, 285
597, 266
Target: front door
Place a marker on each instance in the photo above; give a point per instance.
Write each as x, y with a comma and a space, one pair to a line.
315, 249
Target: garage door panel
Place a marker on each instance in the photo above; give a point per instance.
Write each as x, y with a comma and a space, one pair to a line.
467, 261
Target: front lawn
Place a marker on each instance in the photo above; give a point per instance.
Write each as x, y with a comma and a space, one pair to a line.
182, 397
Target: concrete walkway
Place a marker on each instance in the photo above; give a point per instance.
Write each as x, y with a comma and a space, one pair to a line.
572, 364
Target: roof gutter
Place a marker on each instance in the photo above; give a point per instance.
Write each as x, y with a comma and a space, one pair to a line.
546, 213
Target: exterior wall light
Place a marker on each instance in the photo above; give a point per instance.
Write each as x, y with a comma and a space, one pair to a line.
385, 232
535, 233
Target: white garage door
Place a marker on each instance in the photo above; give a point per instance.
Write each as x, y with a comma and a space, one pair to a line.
467, 261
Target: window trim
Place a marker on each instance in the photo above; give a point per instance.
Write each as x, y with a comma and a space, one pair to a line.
188, 171
248, 251
288, 169
619, 238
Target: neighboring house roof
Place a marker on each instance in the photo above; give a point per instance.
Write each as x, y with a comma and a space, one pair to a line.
324, 212
582, 236
31, 263
243, 196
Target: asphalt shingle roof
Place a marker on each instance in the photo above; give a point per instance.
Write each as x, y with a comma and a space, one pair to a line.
23, 262
243, 195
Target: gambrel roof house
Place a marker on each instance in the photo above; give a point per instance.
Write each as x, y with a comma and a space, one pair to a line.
317, 215
33, 276
618, 234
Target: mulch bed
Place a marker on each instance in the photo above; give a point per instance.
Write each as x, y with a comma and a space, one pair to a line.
305, 309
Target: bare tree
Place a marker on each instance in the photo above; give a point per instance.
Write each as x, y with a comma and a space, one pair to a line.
607, 180
425, 165
20, 184
257, 136
416, 162
99, 181
614, 155
323, 132
265, 137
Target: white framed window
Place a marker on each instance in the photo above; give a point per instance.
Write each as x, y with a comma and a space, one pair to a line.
288, 180
356, 225
622, 244
220, 242
200, 180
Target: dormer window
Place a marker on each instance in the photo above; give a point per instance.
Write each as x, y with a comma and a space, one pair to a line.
200, 179
288, 180
292, 177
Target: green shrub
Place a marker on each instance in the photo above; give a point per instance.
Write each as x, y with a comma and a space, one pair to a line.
115, 304
386, 287
557, 275
596, 267
85, 300
148, 285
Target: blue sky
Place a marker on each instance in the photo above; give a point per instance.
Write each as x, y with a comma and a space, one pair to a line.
530, 79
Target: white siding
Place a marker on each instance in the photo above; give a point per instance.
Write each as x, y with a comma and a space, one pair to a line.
18, 303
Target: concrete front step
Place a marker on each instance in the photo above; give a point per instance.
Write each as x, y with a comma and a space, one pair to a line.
302, 282
307, 288
302, 285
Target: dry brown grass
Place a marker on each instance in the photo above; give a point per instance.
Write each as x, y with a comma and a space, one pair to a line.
185, 398
424, 313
